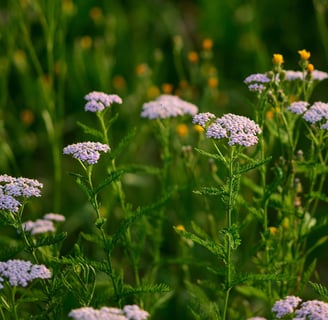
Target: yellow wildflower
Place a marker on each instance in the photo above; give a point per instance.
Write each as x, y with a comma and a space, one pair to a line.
310, 67
153, 92
277, 59
180, 227
198, 128
167, 88
207, 44
193, 57
182, 130
304, 55
85, 42
213, 82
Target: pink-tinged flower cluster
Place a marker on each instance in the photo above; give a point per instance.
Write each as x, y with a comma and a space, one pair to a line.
20, 272
313, 310
317, 113
167, 106
286, 306
257, 82
38, 226
46, 224
239, 130
87, 152
298, 107
98, 101
20, 187
8, 203
203, 118
129, 312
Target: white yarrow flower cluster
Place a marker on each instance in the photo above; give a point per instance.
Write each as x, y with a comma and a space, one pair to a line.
98, 101
46, 224
239, 130
87, 152
129, 312
20, 187
167, 106
20, 272
286, 306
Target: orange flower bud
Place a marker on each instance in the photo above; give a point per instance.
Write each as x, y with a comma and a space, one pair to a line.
310, 67
193, 57
207, 44
182, 130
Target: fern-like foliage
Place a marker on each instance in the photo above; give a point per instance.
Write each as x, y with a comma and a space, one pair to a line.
252, 165
216, 248
123, 143
321, 290
49, 240
200, 306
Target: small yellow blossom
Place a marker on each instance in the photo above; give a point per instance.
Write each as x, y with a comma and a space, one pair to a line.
96, 14
167, 88
198, 128
119, 82
193, 57
68, 7
304, 55
269, 114
277, 59
182, 130
85, 42
153, 92
27, 117
180, 227
213, 82
142, 69
310, 67
207, 44
273, 230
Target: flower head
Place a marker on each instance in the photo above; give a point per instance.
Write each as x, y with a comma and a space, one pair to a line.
286, 306
257, 77
87, 152
202, 118
237, 129
277, 59
20, 272
8, 203
167, 106
38, 226
129, 312
316, 113
298, 107
20, 187
133, 312
54, 217
98, 101
313, 310
318, 75
304, 55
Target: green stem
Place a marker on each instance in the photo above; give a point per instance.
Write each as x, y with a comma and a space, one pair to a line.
229, 242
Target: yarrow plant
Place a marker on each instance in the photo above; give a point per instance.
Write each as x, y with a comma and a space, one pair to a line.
292, 307
167, 106
98, 101
129, 312
20, 272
